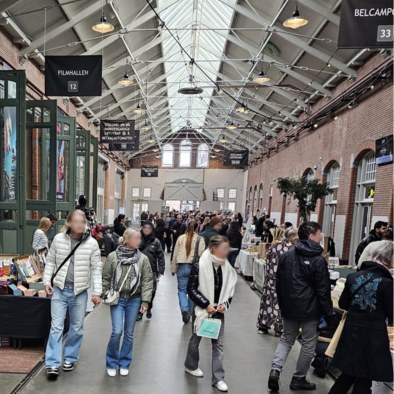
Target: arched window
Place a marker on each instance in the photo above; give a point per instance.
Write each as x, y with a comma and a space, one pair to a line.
185, 154
309, 174
330, 201
203, 155
168, 156
364, 196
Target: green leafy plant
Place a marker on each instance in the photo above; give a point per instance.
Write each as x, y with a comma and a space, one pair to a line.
305, 191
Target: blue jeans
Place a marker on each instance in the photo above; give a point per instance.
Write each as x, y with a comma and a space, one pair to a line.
183, 273
76, 305
124, 316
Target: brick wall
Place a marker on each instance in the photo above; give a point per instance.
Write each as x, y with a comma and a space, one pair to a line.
345, 140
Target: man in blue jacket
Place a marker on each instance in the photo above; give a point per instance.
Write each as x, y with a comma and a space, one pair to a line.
304, 296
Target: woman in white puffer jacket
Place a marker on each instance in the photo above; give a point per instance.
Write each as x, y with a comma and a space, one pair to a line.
69, 289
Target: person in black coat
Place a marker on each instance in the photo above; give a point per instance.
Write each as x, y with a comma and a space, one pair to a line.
374, 235
363, 352
161, 233
234, 236
119, 225
304, 296
151, 248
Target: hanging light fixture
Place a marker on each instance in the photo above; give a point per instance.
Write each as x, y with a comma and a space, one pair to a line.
213, 156
243, 109
223, 140
145, 127
138, 110
151, 139
125, 81
231, 126
161, 26
155, 150
103, 26
158, 156
217, 150
296, 20
261, 78
191, 63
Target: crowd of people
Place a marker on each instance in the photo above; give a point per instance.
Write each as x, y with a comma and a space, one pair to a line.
123, 265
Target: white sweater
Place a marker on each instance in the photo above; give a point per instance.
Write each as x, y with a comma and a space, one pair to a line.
87, 264
40, 240
180, 256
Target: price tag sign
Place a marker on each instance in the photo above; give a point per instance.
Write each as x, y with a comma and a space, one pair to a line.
385, 33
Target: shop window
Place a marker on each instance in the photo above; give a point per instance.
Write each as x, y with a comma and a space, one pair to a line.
135, 192
144, 207
232, 193
185, 154
220, 193
168, 156
330, 201
231, 206
364, 197
147, 192
203, 155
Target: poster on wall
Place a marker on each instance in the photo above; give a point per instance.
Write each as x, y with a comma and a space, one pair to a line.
9, 153
121, 135
60, 167
366, 24
384, 150
238, 158
149, 172
73, 75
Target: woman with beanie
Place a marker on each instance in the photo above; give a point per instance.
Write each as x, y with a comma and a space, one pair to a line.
211, 287
127, 266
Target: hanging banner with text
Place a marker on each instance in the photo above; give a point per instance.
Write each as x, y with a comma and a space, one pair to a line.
149, 172
73, 75
119, 134
238, 158
384, 150
366, 24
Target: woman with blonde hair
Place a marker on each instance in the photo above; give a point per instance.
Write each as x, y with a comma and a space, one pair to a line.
40, 238
188, 248
211, 287
73, 265
128, 271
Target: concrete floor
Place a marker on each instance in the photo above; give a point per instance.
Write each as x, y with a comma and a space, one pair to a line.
159, 352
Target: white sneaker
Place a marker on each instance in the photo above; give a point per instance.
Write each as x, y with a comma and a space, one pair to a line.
111, 372
221, 386
123, 372
197, 373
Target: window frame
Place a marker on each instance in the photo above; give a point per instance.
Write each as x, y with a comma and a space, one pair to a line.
168, 148
202, 148
232, 197
144, 195
182, 145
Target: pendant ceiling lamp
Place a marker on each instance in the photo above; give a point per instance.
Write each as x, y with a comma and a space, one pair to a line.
125, 81
296, 20
231, 126
151, 140
261, 78
243, 109
223, 140
103, 26
138, 110
145, 127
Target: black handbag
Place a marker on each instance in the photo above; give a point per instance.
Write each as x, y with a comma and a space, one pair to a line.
196, 257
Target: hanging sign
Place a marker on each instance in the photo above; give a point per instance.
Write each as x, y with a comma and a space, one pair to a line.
366, 24
238, 158
119, 134
149, 172
384, 150
73, 75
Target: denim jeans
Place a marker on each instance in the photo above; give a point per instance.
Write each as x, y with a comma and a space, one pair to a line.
76, 305
183, 273
123, 316
291, 330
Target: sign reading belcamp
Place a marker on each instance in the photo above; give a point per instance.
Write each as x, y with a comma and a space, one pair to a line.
121, 135
73, 75
149, 172
366, 24
236, 158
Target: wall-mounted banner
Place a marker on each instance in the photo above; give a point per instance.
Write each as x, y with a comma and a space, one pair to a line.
120, 134
366, 24
238, 158
73, 75
149, 172
384, 150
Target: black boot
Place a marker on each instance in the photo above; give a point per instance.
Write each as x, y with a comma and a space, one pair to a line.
302, 384
139, 316
273, 381
149, 314
185, 317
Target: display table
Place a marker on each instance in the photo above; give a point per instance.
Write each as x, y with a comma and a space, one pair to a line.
245, 263
259, 273
24, 317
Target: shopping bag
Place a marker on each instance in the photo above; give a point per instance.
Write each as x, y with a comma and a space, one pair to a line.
332, 347
209, 328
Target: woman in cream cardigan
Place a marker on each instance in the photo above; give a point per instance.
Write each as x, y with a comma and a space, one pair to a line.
211, 287
184, 253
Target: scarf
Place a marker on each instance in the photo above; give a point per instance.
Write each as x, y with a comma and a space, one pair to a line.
128, 257
217, 262
207, 283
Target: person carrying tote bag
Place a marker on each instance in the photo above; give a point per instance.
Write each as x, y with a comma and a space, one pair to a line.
211, 287
133, 274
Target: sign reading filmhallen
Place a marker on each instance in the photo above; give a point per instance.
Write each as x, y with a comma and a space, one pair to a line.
73, 75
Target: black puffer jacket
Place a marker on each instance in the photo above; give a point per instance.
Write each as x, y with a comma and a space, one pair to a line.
372, 237
303, 283
151, 247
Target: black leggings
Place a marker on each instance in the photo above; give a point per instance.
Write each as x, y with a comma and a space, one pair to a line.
345, 382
